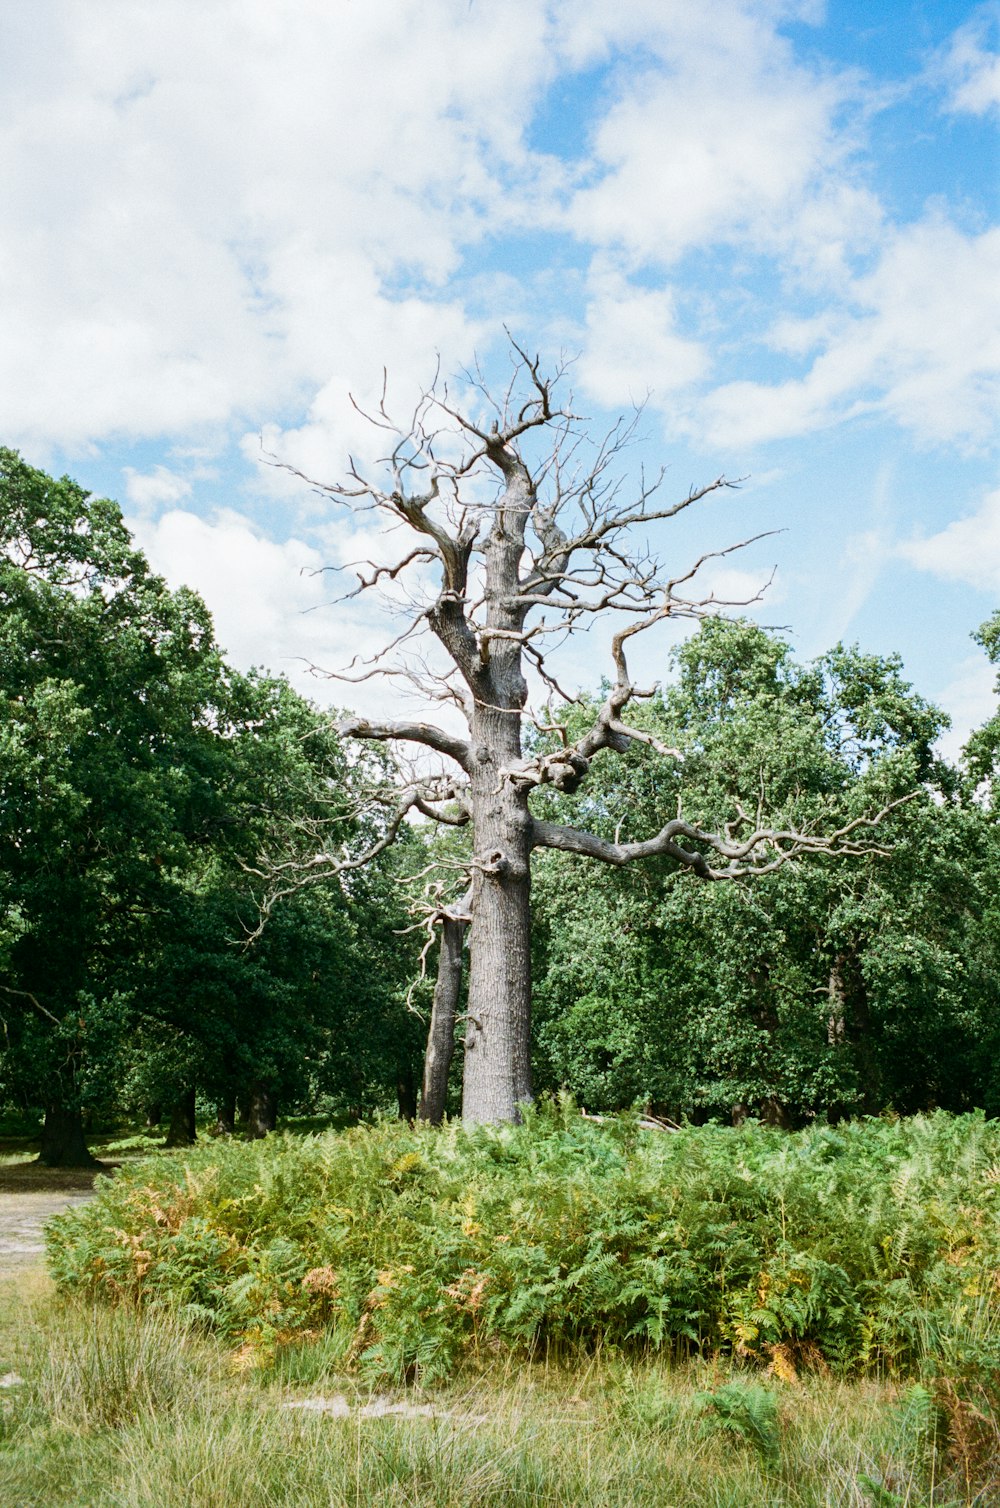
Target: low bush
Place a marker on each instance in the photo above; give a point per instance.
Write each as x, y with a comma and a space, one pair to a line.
870, 1248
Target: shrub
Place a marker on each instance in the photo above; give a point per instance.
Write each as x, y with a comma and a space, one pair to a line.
859, 1249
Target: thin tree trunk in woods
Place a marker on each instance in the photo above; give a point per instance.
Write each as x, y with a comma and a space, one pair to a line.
154, 1115
774, 1113
406, 1092
444, 1011
261, 1112
849, 1026
865, 1050
225, 1116
183, 1131
836, 1020
63, 1141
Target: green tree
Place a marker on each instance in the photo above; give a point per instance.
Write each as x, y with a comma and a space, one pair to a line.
107, 682
825, 986
139, 779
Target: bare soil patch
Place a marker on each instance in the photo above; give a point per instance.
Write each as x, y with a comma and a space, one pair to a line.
29, 1195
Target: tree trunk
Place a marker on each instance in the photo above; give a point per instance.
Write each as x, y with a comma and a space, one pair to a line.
183, 1131
225, 1116
849, 1027
774, 1113
866, 1057
441, 1034
497, 1077
262, 1111
63, 1141
406, 1092
836, 1020
154, 1115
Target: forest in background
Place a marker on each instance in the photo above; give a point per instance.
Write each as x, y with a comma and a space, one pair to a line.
144, 781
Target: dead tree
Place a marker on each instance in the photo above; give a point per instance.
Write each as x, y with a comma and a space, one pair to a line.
451, 922
517, 536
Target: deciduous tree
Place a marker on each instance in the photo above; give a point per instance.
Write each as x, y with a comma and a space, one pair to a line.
520, 534
107, 680
824, 988
139, 777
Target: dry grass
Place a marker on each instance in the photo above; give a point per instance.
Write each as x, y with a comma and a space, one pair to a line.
124, 1410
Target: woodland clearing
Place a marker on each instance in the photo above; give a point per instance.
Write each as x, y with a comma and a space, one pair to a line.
133, 1404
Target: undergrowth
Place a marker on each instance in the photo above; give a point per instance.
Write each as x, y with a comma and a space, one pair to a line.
869, 1249
124, 1407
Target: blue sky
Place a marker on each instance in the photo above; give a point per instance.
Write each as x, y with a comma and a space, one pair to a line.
774, 222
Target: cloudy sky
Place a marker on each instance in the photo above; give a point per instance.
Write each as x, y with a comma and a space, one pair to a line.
775, 222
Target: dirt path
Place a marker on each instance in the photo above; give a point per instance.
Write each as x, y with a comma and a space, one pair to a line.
29, 1195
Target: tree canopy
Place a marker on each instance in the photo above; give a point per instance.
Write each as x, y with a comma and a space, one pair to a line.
139, 777
834, 988
206, 891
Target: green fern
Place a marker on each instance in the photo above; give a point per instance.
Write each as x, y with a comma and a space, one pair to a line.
748, 1411
867, 1249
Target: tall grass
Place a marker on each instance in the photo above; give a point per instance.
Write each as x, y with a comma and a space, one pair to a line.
605, 1432
776, 1267
117, 1368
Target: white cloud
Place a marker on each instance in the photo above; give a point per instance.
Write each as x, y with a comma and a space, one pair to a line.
921, 345
967, 550
586, 32
278, 605
220, 216
147, 490
266, 598
378, 342
198, 199
212, 213
727, 138
632, 349
969, 68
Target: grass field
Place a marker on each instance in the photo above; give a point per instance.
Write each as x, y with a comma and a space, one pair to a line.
123, 1409
724, 1319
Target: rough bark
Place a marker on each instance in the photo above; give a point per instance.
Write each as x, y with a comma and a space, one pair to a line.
63, 1142
836, 1021
444, 1012
261, 1111
183, 1132
497, 1069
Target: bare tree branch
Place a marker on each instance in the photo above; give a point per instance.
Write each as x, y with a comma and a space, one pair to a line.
422, 733
530, 536
309, 860
761, 851
32, 1000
